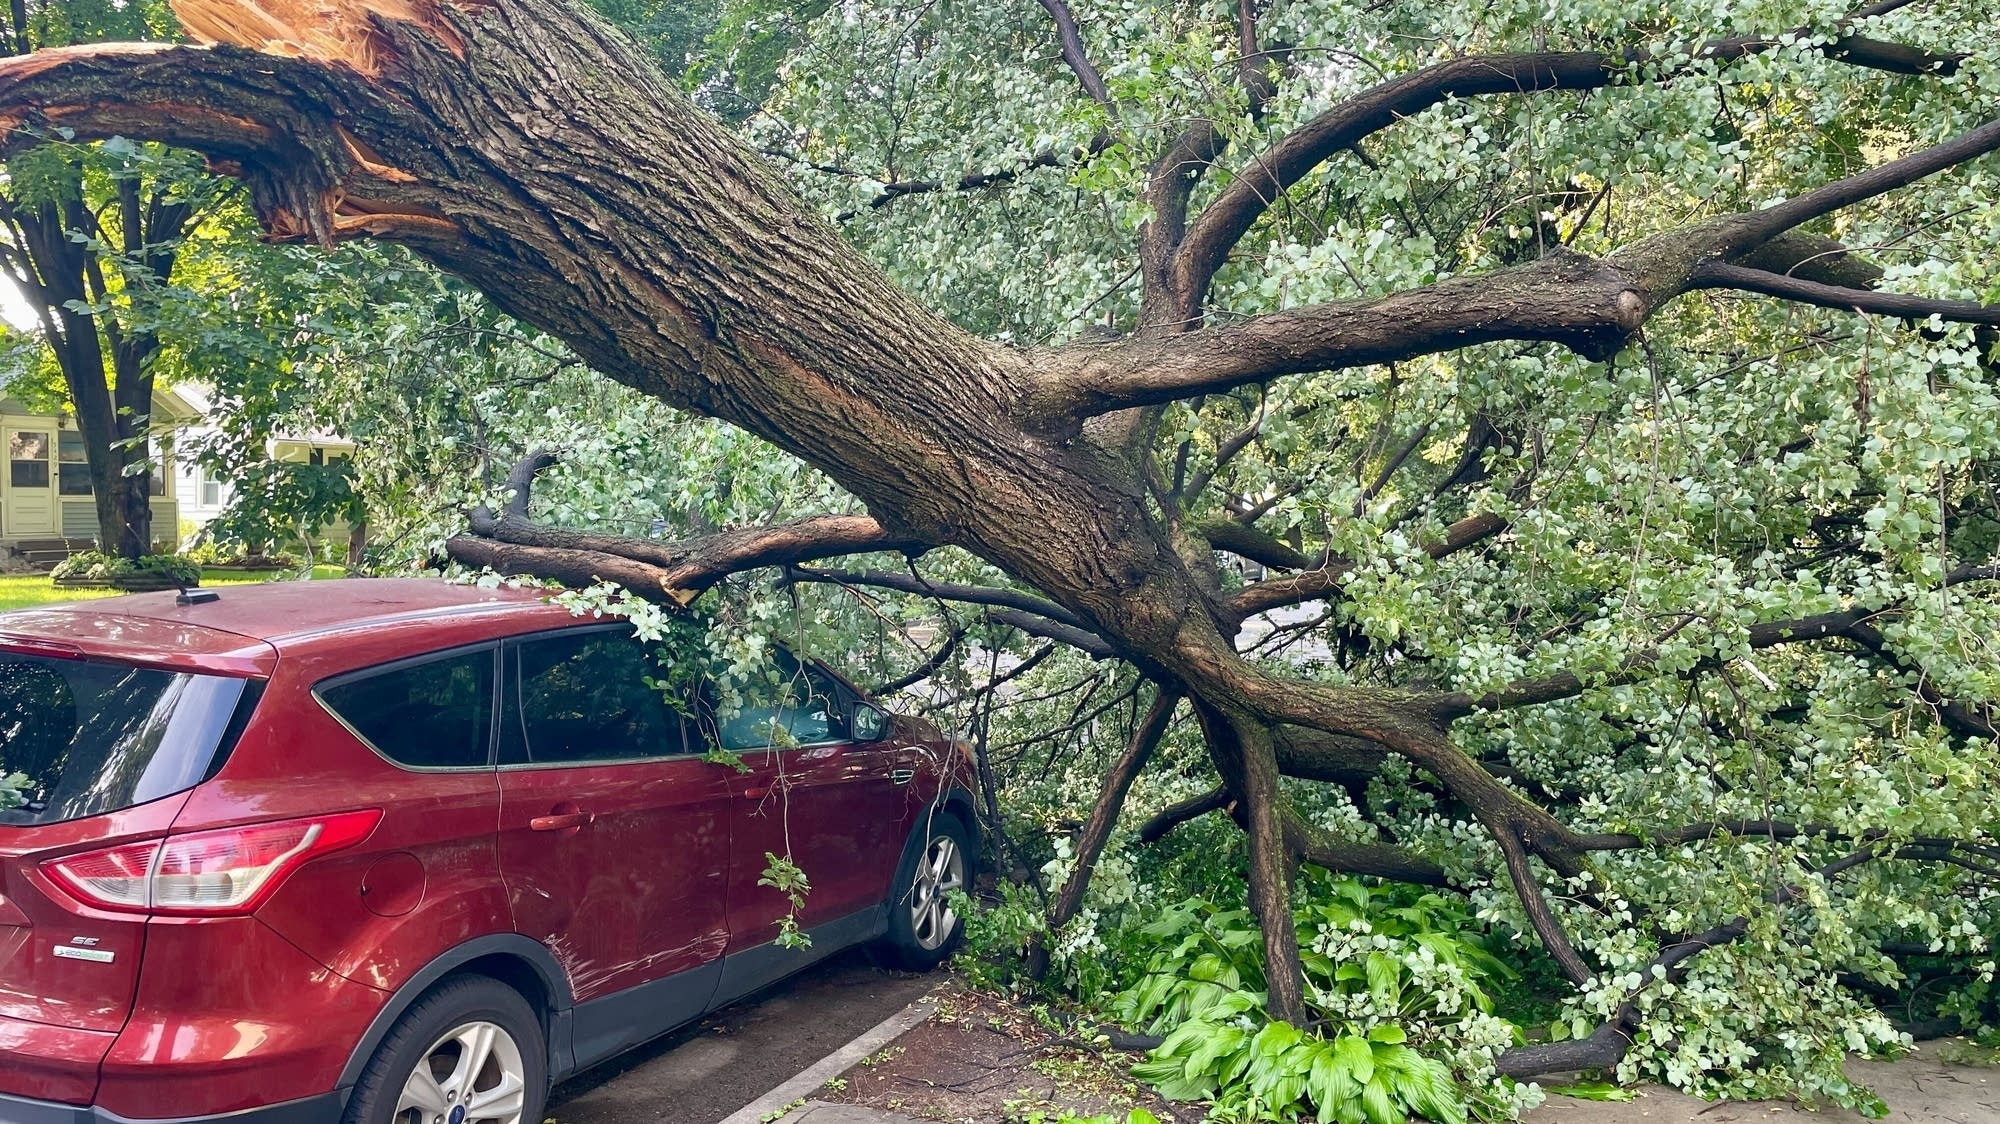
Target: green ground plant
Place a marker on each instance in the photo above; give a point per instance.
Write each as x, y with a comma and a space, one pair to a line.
96, 566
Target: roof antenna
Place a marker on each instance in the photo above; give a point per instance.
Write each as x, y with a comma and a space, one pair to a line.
191, 596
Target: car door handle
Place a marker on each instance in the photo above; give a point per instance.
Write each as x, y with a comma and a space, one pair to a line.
560, 821
902, 776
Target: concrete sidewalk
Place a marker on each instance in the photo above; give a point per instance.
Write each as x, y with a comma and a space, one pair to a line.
820, 1112
773, 1105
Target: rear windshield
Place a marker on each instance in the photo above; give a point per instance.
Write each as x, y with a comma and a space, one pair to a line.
84, 737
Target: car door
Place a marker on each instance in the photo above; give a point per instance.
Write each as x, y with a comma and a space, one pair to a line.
613, 838
815, 795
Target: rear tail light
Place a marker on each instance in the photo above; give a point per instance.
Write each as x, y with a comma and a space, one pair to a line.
205, 873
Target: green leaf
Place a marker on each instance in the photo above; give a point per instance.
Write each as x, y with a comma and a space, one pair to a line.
1357, 1057
1380, 1106
1385, 977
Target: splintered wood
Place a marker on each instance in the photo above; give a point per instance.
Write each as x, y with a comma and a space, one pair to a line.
352, 32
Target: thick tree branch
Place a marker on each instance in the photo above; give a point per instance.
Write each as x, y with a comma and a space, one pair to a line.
1245, 541
1073, 53
684, 569
1104, 816
1568, 299
671, 571
569, 566
1541, 916
269, 120
520, 484
1742, 233
1174, 815
1346, 856
1241, 750
1260, 182
1724, 275
1591, 307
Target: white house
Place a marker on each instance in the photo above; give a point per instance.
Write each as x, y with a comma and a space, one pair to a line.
45, 496
203, 495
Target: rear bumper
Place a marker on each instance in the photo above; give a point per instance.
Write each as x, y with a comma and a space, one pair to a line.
42, 1061
268, 1027
323, 1109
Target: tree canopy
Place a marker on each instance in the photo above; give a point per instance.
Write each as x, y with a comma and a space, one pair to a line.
1550, 450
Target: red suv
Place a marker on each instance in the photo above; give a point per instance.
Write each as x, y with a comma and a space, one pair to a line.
401, 850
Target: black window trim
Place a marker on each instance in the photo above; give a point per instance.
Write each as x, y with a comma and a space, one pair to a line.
373, 670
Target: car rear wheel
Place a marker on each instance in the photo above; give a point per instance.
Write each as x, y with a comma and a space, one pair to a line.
470, 1052
924, 926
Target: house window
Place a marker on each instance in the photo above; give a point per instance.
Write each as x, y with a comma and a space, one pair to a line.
74, 477
317, 456
28, 459
211, 490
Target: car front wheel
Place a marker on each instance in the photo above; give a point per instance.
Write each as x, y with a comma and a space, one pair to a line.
924, 925
470, 1052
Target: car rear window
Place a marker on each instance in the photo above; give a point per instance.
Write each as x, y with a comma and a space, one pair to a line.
85, 737
434, 714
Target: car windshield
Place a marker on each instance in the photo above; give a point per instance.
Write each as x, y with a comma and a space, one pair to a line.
85, 737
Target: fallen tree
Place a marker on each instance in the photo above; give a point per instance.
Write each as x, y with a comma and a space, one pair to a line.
528, 148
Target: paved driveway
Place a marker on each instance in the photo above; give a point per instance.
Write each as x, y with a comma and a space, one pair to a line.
704, 1072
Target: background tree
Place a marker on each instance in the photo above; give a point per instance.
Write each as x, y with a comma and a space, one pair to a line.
1652, 585
90, 236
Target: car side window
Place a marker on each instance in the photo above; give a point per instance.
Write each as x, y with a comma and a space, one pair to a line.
584, 696
793, 704
433, 714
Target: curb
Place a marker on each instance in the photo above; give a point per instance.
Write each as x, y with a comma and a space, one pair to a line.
809, 1080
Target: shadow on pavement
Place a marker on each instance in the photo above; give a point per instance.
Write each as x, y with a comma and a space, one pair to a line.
709, 1069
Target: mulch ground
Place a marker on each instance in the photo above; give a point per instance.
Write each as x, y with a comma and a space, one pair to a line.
983, 1060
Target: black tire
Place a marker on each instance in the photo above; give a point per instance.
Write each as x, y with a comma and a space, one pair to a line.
420, 1036
911, 945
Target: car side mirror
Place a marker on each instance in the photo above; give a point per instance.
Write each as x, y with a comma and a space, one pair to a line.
871, 723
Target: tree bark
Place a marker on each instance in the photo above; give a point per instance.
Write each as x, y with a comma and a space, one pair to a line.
1242, 753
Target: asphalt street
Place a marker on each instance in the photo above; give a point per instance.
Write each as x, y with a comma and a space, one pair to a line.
704, 1072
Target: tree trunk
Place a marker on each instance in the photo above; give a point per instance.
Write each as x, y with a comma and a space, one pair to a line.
106, 368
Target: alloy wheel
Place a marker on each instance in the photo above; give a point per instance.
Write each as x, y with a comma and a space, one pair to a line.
471, 1075
941, 870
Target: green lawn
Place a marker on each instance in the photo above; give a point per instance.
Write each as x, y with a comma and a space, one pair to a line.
20, 591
